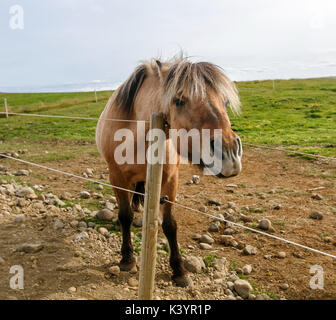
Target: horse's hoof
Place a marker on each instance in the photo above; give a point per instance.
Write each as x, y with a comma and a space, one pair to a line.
127, 265
183, 281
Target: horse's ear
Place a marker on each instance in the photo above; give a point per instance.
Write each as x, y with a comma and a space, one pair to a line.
159, 66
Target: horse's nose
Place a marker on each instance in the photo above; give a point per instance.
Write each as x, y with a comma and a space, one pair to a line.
237, 148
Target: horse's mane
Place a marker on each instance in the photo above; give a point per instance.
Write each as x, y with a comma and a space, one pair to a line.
181, 77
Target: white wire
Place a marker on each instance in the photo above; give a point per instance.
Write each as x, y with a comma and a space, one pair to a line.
68, 117
176, 204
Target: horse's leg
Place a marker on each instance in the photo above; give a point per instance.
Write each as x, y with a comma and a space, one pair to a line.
169, 226
125, 217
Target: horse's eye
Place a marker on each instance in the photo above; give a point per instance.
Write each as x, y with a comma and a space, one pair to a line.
179, 102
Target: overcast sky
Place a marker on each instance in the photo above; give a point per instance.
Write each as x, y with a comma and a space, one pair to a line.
69, 42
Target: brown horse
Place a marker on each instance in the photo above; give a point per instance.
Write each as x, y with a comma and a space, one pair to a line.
191, 96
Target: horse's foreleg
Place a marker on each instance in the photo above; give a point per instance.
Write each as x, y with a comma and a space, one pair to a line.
125, 217
169, 226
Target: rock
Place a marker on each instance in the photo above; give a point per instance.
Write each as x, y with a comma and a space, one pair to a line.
113, 199
82, 224
2, 261
83, 235
230, 285
74, 223
196, 236
284, 286
245, 218
221, 264
105, 215
277, 207
249, 250
91, 224
20, 218
228, 240
114, 270
194, 264
84, 195
31, 248
265, 224
138, 222
316, 215
247, 269
66, 196
89, 172
281, 255
229, 232
132, 282
263, 297
243, 288
26, 192
21, 173
58, 225
72, 290
213, 202
317, 196
196, 179
206, 239
213, 227
205, 246
103, 231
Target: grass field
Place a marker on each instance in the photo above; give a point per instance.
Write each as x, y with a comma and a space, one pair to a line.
297, 114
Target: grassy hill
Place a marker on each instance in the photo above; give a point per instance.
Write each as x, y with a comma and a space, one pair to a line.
297, 114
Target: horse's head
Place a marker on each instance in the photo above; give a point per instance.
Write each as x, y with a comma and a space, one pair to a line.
195, 96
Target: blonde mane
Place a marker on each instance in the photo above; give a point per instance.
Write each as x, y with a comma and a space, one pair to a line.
180, 77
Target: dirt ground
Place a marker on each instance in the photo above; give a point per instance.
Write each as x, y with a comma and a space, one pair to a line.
269, 178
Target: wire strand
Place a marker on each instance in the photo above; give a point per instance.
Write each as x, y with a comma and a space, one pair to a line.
176, 204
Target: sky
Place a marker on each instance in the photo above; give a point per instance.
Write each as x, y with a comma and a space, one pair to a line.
85, 44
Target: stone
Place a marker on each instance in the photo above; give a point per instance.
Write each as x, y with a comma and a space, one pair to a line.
245, 218
66, 196
114, 270
81, 236
82, 224
194, 264
228, 241
21, 173
284, 286
213, 227
74, 223
84, 195
105, 215
206, 239
196, 179
247, 269
20, 218
196, 236
58, 225
316, 215
72, 290
205, 246
229, 232
221, 265
26, 192
132, 282
265, 224
281, 255
277, 207
243, 288
31, 248
317, 196
2, 261
249, 250
103, 231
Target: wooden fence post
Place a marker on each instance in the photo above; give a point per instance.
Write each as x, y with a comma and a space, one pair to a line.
150, 220
95, 92
6, 109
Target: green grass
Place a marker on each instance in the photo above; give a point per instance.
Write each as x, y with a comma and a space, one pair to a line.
298, 115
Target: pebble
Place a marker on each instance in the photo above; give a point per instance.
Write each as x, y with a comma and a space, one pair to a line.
245, 218
21, 173
205, 246
213, 227
31, 248
74, 223
72, 290
265, 224
105, 215
20, 218
103, 231
58, 225
249, 250
243, 288
206, 239
228, 240
194, 264
284, 286
229, 232
281, 255
114, 270
277, 207
196, 179
317, 196
84, 195
247, 269
132, 282
2, 261
82, 224
316, 215
196, 236
81, 236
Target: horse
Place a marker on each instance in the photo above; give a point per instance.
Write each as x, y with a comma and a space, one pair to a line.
190, 95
